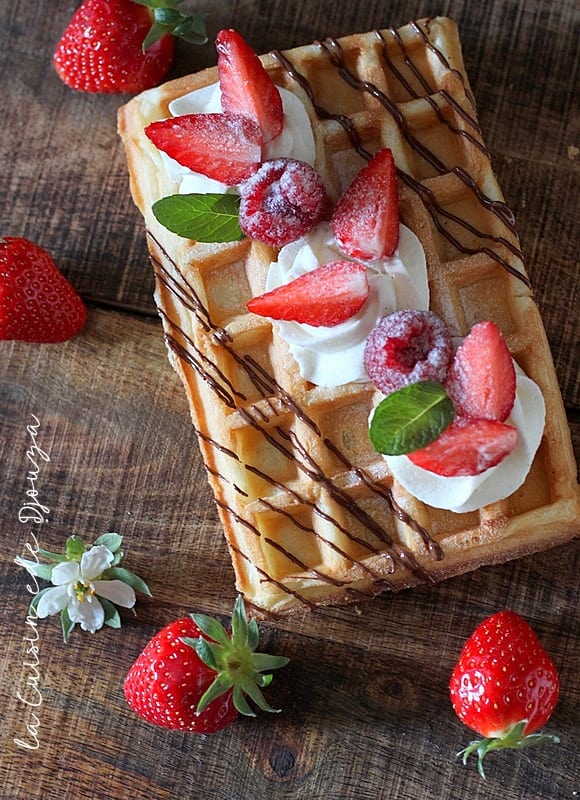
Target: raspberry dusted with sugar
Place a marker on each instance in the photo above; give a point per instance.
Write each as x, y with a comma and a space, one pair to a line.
282, 201
407, 347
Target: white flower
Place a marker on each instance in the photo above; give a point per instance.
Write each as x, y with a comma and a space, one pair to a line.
77, 588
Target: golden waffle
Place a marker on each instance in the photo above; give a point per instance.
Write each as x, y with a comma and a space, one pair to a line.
310, 512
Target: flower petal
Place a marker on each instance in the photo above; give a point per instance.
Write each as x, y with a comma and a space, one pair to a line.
117, 592
90, 614
52, 601
95, 561
65, 572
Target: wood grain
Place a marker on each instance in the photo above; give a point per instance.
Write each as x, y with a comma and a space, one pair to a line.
364, 698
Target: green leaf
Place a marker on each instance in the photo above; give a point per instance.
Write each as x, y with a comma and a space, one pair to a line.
253, 634
128, 577
43, 571
112, 617
262, 662
239, 624
201, 217
220, 685
168, 19
75, 547
410, 418
204, 651
212, 628
60, 557
192, 30
242, 704
112, 541
66, 623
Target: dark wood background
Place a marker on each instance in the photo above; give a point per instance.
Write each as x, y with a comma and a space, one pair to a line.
365, 706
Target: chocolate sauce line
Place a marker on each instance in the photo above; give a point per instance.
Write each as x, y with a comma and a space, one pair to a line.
435, 50
332, 545
300, 499
313, 471
344, 121
497, 207
434, 548
316, 509
345, 501
197, 364
429, 91
265, 577
406, 559
335, 54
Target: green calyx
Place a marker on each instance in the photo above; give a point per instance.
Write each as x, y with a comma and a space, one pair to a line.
168, 19
513, 739
233, 658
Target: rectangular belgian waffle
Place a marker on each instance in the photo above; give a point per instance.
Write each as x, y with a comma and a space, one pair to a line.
310, 512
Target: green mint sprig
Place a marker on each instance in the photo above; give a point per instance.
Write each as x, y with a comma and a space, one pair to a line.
201, 217
410, 418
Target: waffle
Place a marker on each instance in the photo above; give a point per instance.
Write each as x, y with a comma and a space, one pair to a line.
310, 511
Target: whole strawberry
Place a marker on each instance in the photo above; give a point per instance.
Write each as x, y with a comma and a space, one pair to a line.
194, 676
122, 45
504, 686
37, 303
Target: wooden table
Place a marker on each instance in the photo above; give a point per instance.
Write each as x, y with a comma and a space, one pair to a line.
365, 706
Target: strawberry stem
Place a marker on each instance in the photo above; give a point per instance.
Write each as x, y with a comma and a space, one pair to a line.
168, 19
233, 659
513, 739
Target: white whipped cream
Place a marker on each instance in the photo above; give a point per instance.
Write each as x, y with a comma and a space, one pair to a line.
332, 356
295, 141
463, 494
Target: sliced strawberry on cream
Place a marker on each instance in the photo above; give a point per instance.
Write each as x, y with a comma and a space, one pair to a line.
224, 147
246, 87
467, 447
365, 222
325, 296
482, 378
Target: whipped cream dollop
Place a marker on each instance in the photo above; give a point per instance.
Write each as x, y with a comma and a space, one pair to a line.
463, 494
332, 356
295, 141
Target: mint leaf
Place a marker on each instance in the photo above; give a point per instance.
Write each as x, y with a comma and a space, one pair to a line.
201, 217
410, 418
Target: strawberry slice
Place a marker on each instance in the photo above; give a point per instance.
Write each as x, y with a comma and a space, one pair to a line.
365, 222
482, 378
467, 447
326, 296
225, 147
246, 87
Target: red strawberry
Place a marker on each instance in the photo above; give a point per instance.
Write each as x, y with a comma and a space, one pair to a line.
193, 676
482, 378
327, 295
37, 303
225, 147
245, 85
504, 686
467, 447
365, 222
121, 45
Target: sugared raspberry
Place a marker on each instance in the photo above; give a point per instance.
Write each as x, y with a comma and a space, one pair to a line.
282, 201
407, 347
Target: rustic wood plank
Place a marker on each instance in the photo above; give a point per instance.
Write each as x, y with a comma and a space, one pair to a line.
366, 712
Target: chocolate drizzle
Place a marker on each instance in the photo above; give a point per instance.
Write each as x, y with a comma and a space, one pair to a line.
288, 443
266, 415
335, 54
